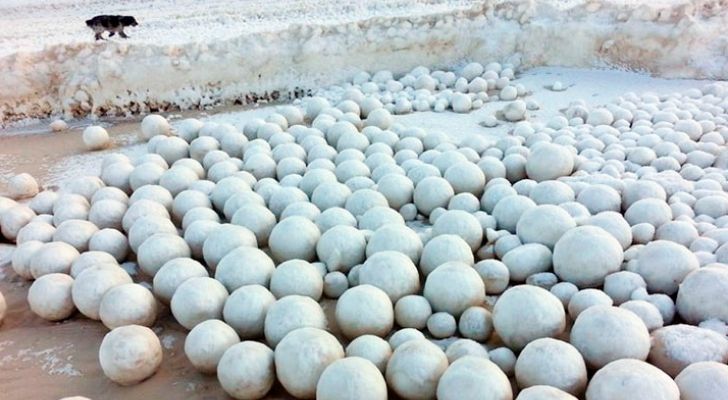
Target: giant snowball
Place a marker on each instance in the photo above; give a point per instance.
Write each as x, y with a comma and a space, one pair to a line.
22, 186
206, 343
548, 161
246, 308
198, 299
341, 248
395, 237
604, 334
49, 297
246, 370
290, 313
664, 264
629, 379
128, 304
461, 223
351, 378
294, 237
96, 138
675, 347
551, 362
130, 354
438, 288
706, 380
364, 310
245, 266
172, 274
297, 277
51, 258
415, 368
391, 271
525, 313
159, 249
153, 125
302, 356
372, 348
460, 382
444, 248
585, 255
544, 224
432, 192
703, 295
222, 240
90, 286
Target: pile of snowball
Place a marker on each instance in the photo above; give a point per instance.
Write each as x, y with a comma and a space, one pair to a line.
584, 257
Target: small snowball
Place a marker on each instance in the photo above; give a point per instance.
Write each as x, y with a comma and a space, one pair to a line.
207, 342
415, 368
96, 138
524, 313
198, 299
246, 370
130, 354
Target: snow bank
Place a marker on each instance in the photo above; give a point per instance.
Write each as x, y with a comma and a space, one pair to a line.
77, 78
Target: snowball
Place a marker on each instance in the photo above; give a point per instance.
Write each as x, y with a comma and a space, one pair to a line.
443, 248
439, 284
585, 255
705, 380
526, 260
620, 285
143, 208
551, 362
13, 219
244, 266
395, 237
441, 325
128, 304
495, 275
504, 358
198, 299
49, 297
36, 231
415, 368
246, 308
542, 392
465, 177
548, 161
341, 247
604, 334
509, 209
290, 313
525, 313
207, 342
465, 347
703, 295
397, 189
158, 249
648, 313
631, 380
459, 381
351, 378
96, 138
675, 347
432, 192
302, 246
664, 265
153, 125
586, 298
301, 358
614, 224
391, 271
514, 111
130, 354
544, 224
335, 284
22, 186
652, 211
58, 125
363, 310
372, 348
53, 257
296, 277
172, 274
222, 240
246, 370
599, 198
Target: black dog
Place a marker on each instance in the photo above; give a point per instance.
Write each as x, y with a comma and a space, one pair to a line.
112, 23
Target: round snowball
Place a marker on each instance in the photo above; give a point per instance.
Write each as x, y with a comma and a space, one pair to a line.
525, 313
548, 161
415, 368
351, 378
459, 381
372, 348
438, 288
341, 248
128, 304
705, 380
444, 248
364, 310
495, 275
675, 347
476, 323
630, 379
51, 258
703, 295
222, 240
96, 138
172, 274
391, 271
246, 308
49, 297
290, 313
551, 362
544, 224
153, 125
296, 277
159, 249
22, 186
301, 358
198, 299
245, 266
543, 392
206, 343
664, 265
92, 284
285, 246
585, 255
110, 241
432, 192
604, 334
412, 311
246, 370
130, 354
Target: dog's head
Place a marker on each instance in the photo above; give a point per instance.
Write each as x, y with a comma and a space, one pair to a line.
128, 21
89, 22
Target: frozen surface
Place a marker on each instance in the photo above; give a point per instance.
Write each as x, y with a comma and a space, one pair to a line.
191, 55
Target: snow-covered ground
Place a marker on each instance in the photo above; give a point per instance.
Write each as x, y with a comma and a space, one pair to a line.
189, 54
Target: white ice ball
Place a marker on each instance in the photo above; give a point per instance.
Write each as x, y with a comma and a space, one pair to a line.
705, 380
629, 379
664, 264
172, 274
461, 223
160, 248
391, 271
22, 186
364, 310
110, 241
432, 192
51, 258
585, 255
444, 248
296, 277
207, 342
439, 284
703, 295
246, 308
341, 247
246, 370
49, 297
548, 161
525, 313
92, 284
96, 138
459, 381
302, 245
554, 363
128, 304
302, 356
675, 347
130, 354
153, 125
198, 299
222, 240
476, 323
290, 313
245, 266
351, 378
544, 224
415, 368
372, 348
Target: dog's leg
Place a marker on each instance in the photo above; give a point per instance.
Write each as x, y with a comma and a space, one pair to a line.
122, 34
98, 36
112, 33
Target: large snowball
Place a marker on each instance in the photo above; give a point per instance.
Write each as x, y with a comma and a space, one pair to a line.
159, 249
372, 348
438, 288
461, 223
297, 277
703, 295
198, 299
544, 224
153, 125
705, 380
22, 186
391, 271
128, 304
246, 308
341, 248
664, 265
675, 347
395, 237
172, 274
630, 379
96, 138
551, 362
460, 382
351, 378
442, 249
548, 161
364, 310
130, 354
51, 258
246, 370
432, 192
604, 334
245, 266
90, 286
525, 313
206, 343
585, 255
284, 245
415, 368
290, 313
302, 356
222, 240
49, 297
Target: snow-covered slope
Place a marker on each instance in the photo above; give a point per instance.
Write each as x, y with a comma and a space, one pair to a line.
189, 54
